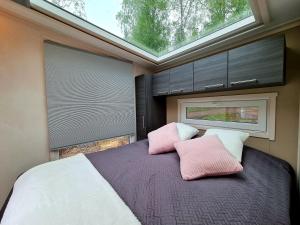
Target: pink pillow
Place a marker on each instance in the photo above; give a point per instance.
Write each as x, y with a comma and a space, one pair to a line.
163, 139
205, 156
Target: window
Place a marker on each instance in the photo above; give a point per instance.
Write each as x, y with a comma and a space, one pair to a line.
95, 146
248, 114
252, 113
158, 29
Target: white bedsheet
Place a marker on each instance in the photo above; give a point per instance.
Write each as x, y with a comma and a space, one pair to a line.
66, 192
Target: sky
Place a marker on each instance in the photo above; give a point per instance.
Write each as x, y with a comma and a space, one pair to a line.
103, 14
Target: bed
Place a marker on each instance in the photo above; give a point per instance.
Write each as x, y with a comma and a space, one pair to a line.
152, 187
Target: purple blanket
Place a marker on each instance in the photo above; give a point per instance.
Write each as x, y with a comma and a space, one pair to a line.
152, 187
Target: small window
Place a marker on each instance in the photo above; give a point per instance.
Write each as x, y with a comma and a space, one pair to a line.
252, 113
95, 146
225, 114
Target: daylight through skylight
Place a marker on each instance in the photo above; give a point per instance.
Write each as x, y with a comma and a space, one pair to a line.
159, 26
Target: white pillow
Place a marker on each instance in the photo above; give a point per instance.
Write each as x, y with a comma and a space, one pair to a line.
185, 131
233, 140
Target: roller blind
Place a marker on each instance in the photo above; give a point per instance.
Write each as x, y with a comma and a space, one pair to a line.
89, 97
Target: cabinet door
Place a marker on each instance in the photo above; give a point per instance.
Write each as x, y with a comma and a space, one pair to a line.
257, 64
181, 79
211, 73
160, 83
140, 96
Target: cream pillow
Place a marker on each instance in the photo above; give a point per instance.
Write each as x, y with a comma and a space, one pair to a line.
233, 140
185, 131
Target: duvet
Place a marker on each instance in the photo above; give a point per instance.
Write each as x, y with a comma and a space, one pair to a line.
67, 192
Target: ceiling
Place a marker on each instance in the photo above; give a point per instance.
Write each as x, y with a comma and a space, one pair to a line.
283, 10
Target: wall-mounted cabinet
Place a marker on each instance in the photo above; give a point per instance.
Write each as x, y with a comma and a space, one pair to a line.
211, 73
181, 79
160, 83
257, 64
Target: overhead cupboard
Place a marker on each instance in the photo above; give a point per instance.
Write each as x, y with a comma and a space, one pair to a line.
181, 84
258, 64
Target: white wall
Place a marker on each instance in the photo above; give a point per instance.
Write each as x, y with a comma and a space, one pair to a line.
23, 109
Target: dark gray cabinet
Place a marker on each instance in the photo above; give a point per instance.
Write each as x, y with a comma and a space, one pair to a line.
181, 79
150, 111
257, 64
160, 83
140, 101
211, 73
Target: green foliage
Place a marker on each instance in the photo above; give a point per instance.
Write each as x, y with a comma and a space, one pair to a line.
187, 16
163, 25
145, 22
220, 10
218, 114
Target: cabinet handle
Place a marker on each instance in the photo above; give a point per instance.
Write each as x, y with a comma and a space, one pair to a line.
177, 91
214, 86
243, 82
163, 92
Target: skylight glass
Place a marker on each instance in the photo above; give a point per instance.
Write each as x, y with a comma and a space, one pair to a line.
159, 26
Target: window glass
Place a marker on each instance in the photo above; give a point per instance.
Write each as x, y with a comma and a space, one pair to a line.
158, 26
225, 114
95, 146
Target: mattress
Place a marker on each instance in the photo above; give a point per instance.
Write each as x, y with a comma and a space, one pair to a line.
152, 187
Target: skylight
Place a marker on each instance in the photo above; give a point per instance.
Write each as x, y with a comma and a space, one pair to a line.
158, 27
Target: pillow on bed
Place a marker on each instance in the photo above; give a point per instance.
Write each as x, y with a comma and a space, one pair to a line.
185, 131
163, 139
233, 140
205, 156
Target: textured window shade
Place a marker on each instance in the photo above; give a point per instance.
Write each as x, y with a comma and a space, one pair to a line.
89, 97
